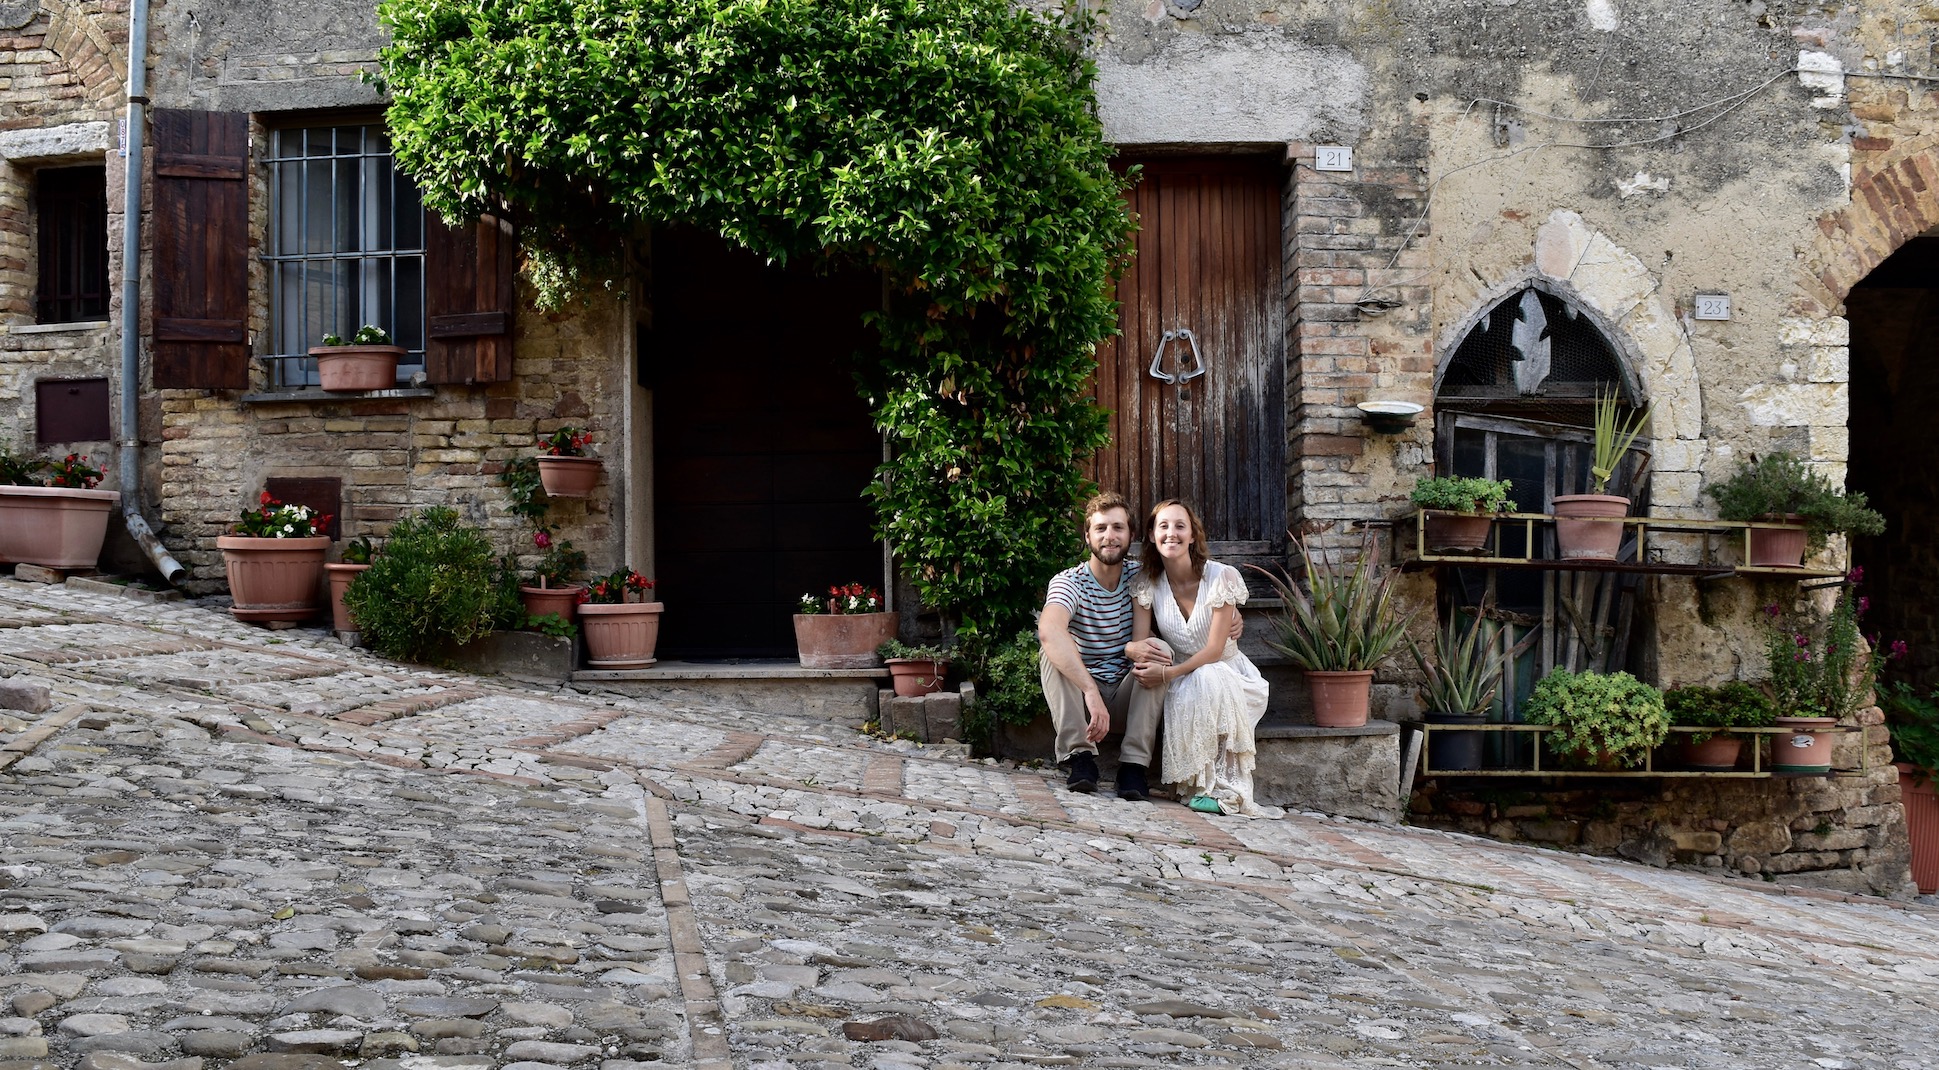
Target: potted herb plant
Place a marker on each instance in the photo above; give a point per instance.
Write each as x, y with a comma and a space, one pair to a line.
1821, 674
356, 561
915, 669
1589, 526
621, 626
1458, 685
550, 591
1798, 509
564, 468
50, 512
1912, 720
274, 560
1605, 719
1461, 511
368, 361
1339, 631
842, 629
1726, 706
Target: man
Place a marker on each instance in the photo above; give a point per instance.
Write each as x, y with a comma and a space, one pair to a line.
1084, 628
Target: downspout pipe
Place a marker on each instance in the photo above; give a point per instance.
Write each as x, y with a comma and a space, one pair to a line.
130, 444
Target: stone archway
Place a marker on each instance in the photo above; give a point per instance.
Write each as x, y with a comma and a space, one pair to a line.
1894, 198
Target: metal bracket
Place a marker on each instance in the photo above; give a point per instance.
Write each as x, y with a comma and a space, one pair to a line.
1158, 357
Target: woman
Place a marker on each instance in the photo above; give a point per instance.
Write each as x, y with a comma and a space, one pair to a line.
1216, 695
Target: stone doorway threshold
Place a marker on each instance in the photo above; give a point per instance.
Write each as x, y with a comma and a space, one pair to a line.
848, 697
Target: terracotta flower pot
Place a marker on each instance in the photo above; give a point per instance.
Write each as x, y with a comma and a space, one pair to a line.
341, 576
568, 477
1801, 750
621, 636
357, 367
1718, 752
1588, 527
273, 579
552, 601
1921, 826
1341, 699
1777, 547
1458, 533
59, 527
842, 640
915, 677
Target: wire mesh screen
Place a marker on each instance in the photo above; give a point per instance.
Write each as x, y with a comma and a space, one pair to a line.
1534, 356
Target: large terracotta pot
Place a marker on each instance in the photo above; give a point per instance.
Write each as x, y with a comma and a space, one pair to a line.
1588, 527
273, 579
1921, 826
341, 576
1777, 547
552, 601
1341, 699
1454, 751
621, 636
915, 677
1801, 750
59, 527
357, 367
568, 477
842, 640
1718, 752
1458, 533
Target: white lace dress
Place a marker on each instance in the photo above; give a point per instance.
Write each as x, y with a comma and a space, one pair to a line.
1209, 712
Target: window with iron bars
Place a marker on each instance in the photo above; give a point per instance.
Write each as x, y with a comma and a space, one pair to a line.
346, 247
71, 214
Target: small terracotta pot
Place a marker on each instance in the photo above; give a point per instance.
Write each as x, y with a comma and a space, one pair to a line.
1588, 527
915, 677
568, 477
1777, 547
59, 527
842, 640
357, 367
622, 635
1718, 752
551, 601
273, 579
1801, 750
341, 576
1458, 533
1341, 699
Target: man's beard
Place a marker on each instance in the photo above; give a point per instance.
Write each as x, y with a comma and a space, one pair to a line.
1109, 555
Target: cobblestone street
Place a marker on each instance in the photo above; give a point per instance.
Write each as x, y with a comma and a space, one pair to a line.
228, 847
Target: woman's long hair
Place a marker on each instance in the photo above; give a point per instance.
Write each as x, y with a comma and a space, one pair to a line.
1199, 550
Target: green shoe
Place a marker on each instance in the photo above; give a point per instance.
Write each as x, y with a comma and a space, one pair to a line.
1205, 804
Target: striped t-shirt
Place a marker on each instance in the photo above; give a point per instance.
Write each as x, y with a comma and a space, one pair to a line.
1100, 620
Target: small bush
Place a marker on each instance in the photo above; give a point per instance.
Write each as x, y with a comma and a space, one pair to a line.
1009, 689
1730, 705
1598, 716
436, 585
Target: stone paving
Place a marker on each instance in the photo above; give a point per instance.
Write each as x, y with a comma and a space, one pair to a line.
227, 847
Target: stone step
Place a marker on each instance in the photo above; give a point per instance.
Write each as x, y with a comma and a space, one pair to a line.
847, 697
1345, 772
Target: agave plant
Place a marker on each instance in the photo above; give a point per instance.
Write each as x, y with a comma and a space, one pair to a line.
1465, 671
1349, 621
1613, 437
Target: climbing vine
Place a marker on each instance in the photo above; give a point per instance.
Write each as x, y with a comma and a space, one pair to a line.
953, 145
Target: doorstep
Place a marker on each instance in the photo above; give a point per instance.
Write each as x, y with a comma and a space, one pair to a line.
1347, 772
849, 697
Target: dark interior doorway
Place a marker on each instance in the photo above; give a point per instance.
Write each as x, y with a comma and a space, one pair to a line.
761, 444
1894, 317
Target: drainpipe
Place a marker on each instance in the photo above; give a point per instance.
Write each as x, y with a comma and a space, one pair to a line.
130, 444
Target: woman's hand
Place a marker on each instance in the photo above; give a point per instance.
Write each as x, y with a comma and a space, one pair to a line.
1144, 651
1150, 674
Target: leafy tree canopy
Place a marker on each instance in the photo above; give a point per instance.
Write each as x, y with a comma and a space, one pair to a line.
952, 144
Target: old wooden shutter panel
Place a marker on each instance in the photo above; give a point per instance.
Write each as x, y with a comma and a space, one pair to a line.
201, 252
468, 298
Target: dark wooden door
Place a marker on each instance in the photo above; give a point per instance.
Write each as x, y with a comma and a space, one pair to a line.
761, 445
1208, 262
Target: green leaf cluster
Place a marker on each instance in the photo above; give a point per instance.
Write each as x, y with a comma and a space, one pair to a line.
1599, 716
1464, 672
1734, 704
953, 145
1009, 686
1348, 622
1463, 494
1780, 484
1614, 434
436, 585
1912, 720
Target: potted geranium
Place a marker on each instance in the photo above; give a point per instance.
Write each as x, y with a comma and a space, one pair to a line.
1821, 674
564, 469
356, 556
1460, 511
50, 512
915, 669
1604, 719
274, 558
550, 590
621, 626
842, 629
1458, 685
1796, 509
1340, 631
1589, 526
1731, 705
368, 361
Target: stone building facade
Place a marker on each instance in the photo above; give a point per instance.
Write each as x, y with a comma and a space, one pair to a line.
1616, 160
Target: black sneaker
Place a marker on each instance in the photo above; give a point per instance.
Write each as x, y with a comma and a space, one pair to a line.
1131, 783
1083, 772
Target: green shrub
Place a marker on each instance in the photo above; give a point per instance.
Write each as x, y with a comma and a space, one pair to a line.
436, 585
1912, 720
1779, 484
1731, 705
1463, 494
1599, 716
1009, 688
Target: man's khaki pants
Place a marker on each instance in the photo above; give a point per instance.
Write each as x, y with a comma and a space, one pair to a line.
1134, 710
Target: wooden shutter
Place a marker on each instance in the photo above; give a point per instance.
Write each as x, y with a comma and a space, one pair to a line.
468, 299
201, 251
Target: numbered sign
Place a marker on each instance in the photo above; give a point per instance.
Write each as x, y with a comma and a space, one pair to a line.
1713, 306
1332, 158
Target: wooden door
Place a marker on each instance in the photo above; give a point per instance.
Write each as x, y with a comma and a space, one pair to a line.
761, 445
1208, 262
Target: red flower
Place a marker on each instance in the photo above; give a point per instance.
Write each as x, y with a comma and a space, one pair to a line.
540, 539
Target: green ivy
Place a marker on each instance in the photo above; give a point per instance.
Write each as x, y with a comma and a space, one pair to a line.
953, 145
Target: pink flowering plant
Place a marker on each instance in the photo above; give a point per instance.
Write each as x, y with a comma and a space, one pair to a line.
559, 560
271, 519
566, 442
843, 598
620, 585
1820, 664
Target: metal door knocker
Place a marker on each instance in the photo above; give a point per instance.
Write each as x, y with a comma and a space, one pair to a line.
1158, 358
